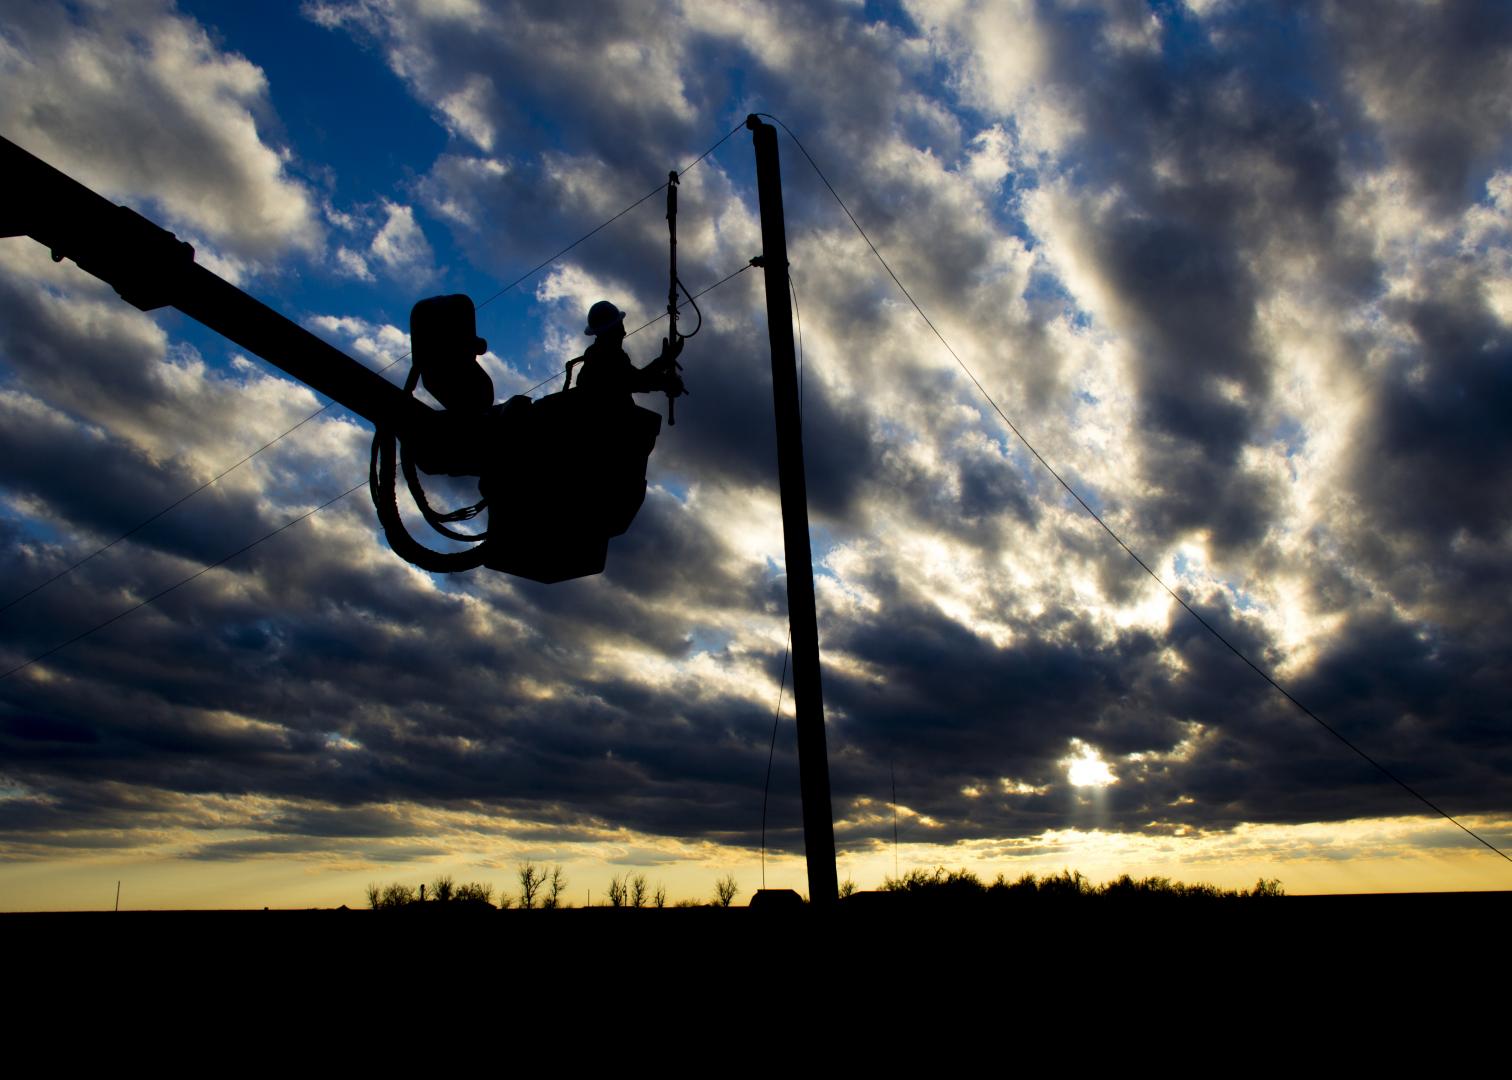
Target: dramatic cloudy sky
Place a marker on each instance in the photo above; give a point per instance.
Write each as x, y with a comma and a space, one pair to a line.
1242, 272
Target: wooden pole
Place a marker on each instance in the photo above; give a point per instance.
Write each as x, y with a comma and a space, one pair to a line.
808, 694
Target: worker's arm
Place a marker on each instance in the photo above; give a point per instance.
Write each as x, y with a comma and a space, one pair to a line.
660, 375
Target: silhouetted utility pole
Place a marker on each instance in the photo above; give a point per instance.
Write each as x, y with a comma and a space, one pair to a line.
813, 757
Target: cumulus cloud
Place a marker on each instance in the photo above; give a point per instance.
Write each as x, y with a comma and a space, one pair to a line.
400, 246
353, 264
135, 101
1223, 282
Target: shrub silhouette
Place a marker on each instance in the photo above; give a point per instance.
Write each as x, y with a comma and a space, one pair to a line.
1068, 884
1268, 887
963, 886
397, 896
1026, 885
474, 893
936, 882
443, 893
936, 886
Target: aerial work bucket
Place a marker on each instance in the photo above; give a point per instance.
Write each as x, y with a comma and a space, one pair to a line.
570, 475
560, 476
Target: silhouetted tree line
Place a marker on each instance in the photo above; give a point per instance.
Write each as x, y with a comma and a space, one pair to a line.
538, 888
633, 891
964, 886
547, 890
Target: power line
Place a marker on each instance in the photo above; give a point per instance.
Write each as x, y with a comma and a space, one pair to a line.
322, 506
798, 318
1109, 530
180, 500
148, 521
766, 786
164, 592
282, 435
659, 318
594, 231
690, 299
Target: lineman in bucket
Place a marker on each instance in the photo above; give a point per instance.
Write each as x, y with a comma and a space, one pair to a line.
608, 370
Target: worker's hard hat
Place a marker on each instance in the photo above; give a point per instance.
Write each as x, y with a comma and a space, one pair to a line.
603, 316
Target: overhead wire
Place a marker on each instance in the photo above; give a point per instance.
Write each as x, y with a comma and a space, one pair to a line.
691, 297
148, 521
184, 498
766, 786
929, 322
797, 318
178, 584
772, 752
284, 434
1211, 629
658, 189
144, 603
657, 319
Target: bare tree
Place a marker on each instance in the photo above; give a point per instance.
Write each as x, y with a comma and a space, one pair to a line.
374, 895
531, 880
847, 888
443, 889
618, 893
638, 891
725, 890
660, 899
556, 889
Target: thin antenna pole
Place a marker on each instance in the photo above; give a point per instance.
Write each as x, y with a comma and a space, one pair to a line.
118, 896
808, 694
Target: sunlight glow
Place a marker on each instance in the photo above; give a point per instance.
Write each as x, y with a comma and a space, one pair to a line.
1087, 768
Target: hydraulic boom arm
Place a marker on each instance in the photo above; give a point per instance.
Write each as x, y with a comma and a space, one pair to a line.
150, 268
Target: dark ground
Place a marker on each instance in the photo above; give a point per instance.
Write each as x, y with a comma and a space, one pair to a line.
1344, 983
1077, 928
